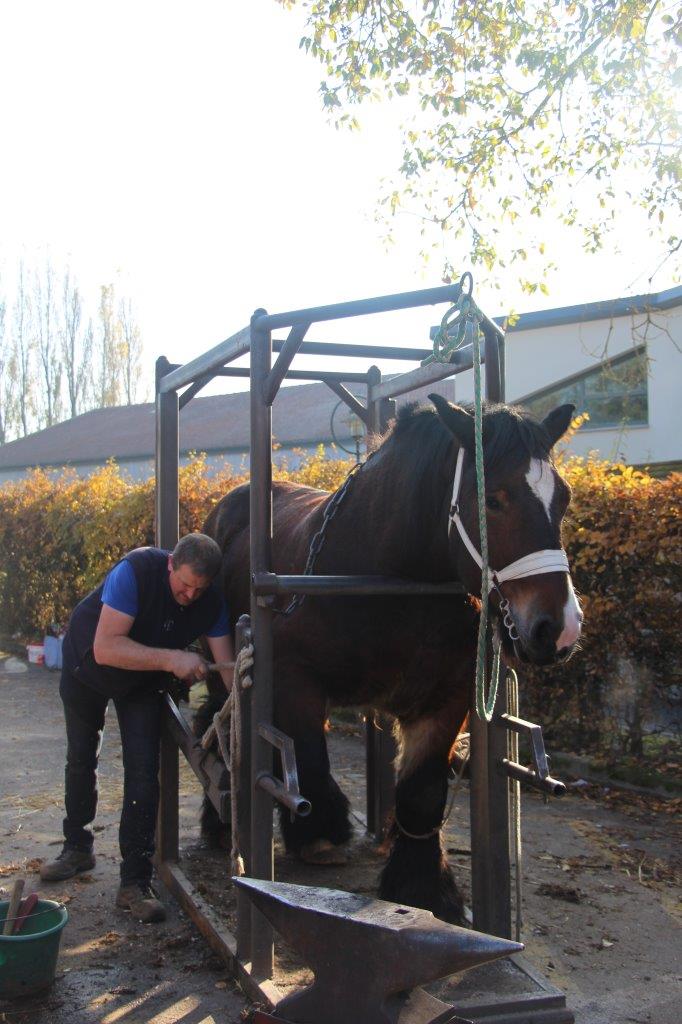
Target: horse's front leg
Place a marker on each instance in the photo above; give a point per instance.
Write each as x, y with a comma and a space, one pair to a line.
417, 872
301, 712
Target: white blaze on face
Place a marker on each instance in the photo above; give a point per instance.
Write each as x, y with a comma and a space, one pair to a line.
572, 619
540, 479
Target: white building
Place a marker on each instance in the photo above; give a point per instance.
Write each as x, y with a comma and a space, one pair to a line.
620, 361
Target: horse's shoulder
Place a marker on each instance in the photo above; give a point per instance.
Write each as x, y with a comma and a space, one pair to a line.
286, 487
296, 498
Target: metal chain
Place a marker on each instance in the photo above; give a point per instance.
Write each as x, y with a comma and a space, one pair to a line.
452, 331
319, 538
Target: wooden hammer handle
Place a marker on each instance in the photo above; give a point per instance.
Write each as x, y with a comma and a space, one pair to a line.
15, 900
24, 912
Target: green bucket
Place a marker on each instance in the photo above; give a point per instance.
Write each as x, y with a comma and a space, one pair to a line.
28, 960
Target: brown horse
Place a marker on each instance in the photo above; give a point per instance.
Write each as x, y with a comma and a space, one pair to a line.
414, 656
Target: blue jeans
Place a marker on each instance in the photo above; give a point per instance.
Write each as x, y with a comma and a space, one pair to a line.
139, 718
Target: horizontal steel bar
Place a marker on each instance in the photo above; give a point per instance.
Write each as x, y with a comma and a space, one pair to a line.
334, 586
361, 307
547, 785
350, 378
223, 353
347, 349
425, 375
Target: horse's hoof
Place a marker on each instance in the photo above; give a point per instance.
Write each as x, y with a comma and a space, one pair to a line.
323, 852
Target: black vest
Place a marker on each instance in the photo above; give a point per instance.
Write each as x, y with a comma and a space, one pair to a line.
160, 622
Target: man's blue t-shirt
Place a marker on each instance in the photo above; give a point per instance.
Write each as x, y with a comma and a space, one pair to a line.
120, 593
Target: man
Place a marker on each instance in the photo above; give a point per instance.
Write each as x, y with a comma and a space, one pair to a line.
124, 642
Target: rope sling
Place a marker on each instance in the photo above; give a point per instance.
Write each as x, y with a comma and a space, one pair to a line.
231, 752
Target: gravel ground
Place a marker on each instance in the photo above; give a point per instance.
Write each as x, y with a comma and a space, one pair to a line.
601, 897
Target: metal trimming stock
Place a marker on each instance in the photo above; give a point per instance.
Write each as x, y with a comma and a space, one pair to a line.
250, 951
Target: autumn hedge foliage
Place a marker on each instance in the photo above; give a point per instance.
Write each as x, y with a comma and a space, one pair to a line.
59, 535
623, 536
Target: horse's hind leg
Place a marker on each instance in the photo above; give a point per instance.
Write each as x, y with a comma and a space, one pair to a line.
301, 713
417, 872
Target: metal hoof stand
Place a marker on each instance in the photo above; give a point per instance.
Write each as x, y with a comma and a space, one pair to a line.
505, 991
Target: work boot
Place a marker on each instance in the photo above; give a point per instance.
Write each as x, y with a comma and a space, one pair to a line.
142, 902
71, 861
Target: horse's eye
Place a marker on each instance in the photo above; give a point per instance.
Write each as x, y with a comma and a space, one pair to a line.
493, 504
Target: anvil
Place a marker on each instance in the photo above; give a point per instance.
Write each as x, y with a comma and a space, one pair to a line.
367, 954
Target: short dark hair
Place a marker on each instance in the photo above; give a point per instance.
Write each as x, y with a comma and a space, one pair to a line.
199, 552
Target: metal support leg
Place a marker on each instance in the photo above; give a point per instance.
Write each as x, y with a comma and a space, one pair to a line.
380, 746
262, 855
243, 823
167, 432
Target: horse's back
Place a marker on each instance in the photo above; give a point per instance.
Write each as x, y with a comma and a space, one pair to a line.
291, 504
294, 522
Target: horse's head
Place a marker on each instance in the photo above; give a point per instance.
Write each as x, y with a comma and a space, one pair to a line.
526, 500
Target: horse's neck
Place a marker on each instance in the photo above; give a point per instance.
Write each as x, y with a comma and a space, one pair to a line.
396, 529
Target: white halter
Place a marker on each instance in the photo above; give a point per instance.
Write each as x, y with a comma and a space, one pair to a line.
548, 560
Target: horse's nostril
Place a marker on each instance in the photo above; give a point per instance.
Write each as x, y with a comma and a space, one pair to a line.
543, 633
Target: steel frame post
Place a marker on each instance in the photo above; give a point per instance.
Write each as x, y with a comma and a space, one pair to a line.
489, 791
262, 855
166, 531
242, 824
380, 746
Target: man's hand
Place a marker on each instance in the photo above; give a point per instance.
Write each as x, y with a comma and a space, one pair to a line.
187, 665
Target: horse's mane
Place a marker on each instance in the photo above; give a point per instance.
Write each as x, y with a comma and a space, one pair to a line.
414, 463
510, 433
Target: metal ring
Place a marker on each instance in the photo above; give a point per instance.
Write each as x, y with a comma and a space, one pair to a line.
467, 275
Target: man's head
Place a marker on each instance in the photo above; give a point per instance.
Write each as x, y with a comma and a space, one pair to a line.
192, 565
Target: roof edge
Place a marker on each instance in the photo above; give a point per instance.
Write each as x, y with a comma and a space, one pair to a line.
183, 453
602, 310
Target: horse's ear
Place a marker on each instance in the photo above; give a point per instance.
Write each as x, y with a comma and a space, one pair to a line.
557, 422
458, 421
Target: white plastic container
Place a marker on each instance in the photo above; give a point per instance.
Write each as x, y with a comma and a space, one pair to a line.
36, 654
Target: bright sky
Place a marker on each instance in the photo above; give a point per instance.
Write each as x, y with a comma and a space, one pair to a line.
183, 148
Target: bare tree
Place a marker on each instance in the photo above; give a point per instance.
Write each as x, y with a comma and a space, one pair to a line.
5, 357
22, 352
131, 350
76, 347
107, 390
46, 344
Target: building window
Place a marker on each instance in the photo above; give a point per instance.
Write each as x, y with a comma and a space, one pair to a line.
613, 395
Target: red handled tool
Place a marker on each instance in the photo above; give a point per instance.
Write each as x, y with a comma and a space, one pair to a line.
25, 910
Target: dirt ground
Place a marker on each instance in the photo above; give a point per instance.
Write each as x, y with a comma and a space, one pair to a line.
601, 893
